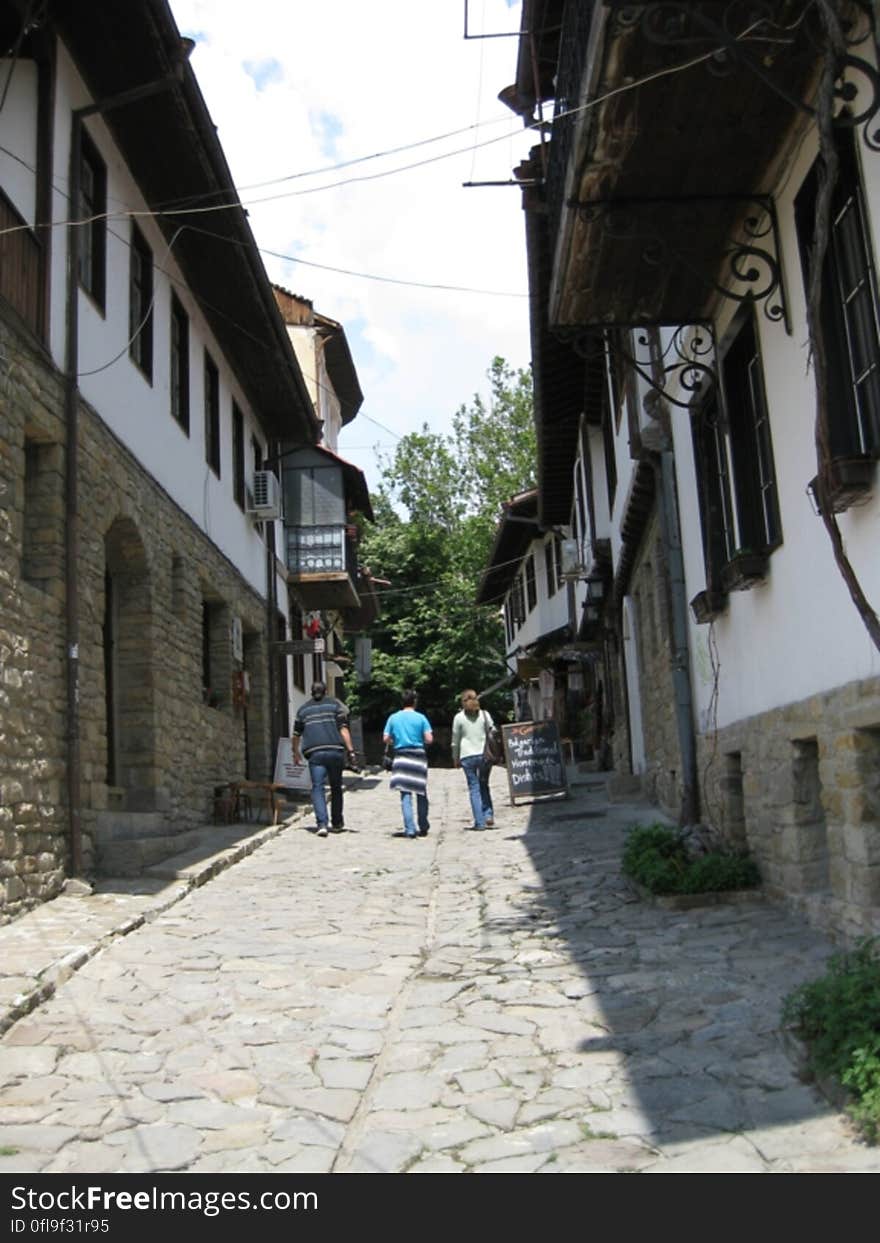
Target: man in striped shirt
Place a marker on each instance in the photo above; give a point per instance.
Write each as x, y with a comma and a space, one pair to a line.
321, 734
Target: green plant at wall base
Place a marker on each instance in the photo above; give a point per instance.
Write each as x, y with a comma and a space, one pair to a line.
862, 1077
838, 1018
657, 857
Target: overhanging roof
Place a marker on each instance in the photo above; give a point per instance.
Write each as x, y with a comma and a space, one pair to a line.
298, 311
356, 490
671, 151
516, 530
557, 378
340, 366
171, 147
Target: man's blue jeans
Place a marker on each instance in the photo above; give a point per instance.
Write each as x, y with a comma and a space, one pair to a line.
477, 776
406, 803
327, 766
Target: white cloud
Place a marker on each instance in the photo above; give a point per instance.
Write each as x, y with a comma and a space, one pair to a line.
296, 86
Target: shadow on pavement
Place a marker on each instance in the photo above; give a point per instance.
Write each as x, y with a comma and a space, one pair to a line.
690, 1000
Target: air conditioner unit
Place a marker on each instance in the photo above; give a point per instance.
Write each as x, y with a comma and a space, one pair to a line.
266, 500
571, 560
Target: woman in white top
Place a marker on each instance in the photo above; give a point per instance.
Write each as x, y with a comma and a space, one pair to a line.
470, 729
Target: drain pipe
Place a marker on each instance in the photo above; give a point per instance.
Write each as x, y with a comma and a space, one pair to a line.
272, 661
670, 533
71, 502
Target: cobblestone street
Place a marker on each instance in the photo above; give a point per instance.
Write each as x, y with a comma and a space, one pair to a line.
496, 1001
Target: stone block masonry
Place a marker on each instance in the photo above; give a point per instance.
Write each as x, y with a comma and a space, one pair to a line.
648, 587
807, 802
149, 582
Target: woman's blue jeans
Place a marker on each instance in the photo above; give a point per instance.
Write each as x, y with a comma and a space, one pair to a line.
409, 822
477, 775
327, 766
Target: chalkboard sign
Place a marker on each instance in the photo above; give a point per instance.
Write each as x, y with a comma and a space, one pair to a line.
535, 766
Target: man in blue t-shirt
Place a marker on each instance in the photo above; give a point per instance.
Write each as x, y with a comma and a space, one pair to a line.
409, 732
321, 734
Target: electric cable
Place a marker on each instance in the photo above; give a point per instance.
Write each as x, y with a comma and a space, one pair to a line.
581, 108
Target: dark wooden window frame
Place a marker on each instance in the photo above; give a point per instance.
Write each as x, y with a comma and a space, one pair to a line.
179, 351
238, 481
212, 414
850, 317
93, 208
140, 302
550, 566
735, 472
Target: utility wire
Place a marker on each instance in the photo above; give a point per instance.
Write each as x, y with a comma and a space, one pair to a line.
240, 206
332, 168
392, 280
128, 214
441, 582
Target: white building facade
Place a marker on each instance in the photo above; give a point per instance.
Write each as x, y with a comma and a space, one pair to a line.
730, 437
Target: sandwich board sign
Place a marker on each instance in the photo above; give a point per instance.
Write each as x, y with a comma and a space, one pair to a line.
535, 765
297, 776
293, 776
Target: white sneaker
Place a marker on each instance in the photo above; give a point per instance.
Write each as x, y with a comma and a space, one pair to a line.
322, 830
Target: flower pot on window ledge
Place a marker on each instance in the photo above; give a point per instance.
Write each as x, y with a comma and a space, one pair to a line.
744, 570
851, 479
706, 605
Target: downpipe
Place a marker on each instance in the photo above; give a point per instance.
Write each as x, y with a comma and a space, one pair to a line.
670, 533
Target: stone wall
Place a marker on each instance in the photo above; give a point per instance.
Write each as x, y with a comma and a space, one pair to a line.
800, 787
648, 587
33, 817
171, 747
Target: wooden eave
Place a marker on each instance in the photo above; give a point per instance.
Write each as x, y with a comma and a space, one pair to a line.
514, 534
665, 173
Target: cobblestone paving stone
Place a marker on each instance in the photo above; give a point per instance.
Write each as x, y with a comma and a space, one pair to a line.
466, 1002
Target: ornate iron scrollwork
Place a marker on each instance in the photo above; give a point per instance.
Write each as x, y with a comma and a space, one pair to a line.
685, 362
745, 33
749, 261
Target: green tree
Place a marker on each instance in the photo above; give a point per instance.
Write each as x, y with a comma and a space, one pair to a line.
495, 444
431, 635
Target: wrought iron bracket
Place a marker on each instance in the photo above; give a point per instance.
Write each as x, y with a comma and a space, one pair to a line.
745, 33
750, 264
685, 361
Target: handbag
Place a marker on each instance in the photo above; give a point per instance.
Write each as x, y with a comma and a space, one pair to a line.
493, 748
388, 758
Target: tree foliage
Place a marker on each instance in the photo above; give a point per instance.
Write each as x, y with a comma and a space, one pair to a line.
431, 635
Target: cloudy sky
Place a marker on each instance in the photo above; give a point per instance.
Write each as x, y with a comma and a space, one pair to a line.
310, 84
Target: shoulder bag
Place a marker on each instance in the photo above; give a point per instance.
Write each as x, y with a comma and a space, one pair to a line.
493, 748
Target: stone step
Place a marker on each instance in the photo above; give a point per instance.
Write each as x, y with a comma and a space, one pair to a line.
133, 856
116, 826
